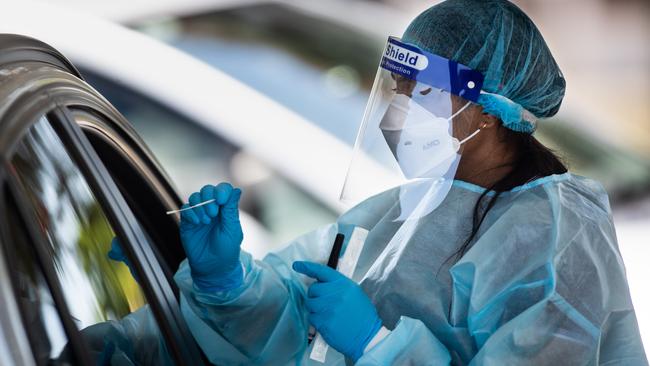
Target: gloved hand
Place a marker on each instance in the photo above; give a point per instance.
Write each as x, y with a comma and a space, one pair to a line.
117, 254
212, 236
339, 309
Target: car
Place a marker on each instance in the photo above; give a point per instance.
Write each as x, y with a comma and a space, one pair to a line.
74, 176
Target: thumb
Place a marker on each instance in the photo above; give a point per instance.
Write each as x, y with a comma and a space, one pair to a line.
318, 271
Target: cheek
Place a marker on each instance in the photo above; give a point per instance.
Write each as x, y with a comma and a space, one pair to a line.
461, 124
466, 123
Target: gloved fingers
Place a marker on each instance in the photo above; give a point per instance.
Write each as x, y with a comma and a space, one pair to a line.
195, 199
230, 209
116, 252
316, 290
318, 271
323, 289
222, 193
318, 320
319, 304
207, 193
189, 215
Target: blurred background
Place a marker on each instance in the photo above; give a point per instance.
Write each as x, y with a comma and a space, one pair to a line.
313, 62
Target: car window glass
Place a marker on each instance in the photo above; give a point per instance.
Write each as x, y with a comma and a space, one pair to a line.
40, 316
104, 299
194, 156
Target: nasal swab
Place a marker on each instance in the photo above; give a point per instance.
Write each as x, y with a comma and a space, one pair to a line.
191, 207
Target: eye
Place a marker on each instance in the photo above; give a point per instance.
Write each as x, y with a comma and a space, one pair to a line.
425, 91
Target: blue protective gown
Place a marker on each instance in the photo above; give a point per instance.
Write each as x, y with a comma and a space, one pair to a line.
543, 283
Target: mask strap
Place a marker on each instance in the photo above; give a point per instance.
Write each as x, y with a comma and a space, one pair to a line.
472, 135
459, 111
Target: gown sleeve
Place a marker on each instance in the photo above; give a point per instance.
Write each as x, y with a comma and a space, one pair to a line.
263, 321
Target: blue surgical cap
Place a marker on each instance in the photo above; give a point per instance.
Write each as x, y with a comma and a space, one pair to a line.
522, 80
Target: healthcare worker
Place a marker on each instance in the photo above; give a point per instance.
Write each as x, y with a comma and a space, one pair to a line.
471, 244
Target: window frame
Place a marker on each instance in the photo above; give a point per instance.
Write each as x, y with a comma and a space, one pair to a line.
99, 131
48, 90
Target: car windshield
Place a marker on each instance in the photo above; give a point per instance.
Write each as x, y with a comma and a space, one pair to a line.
330, 68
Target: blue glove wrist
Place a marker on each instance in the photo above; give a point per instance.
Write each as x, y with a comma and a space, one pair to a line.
356, 355
224, 282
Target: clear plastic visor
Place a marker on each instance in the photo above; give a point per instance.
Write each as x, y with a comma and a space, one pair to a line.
407, 135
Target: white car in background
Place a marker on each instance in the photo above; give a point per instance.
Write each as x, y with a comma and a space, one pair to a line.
293, 168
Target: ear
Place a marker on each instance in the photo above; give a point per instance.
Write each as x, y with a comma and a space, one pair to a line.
489, 121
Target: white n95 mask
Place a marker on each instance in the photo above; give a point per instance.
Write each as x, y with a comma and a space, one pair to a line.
420, 141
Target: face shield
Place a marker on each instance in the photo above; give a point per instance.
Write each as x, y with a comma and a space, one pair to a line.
410, 137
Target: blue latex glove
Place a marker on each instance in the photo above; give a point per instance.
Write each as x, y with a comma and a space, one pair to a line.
212, 236
339, 309
117, 254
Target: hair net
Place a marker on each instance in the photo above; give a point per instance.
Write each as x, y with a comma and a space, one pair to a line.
495, 37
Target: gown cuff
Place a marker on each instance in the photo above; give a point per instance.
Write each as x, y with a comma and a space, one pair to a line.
410, 342
381, 334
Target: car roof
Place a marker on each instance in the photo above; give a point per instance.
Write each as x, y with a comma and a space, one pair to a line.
302, 152
17, 48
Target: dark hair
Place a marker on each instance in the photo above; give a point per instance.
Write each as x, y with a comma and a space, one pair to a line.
532, 160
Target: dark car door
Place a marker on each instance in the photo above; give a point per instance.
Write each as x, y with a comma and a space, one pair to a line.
75, 183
